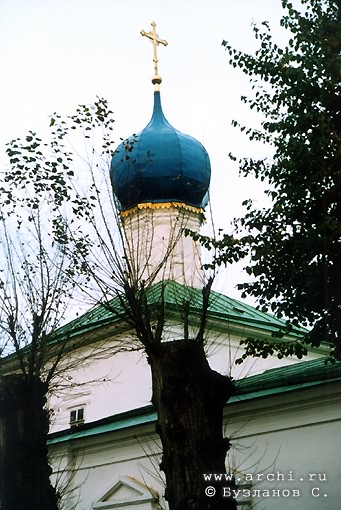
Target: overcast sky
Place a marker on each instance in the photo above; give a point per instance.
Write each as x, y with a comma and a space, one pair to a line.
57, 54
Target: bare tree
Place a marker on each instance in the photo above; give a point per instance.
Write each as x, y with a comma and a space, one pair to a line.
38, 277
130, 270
83, 242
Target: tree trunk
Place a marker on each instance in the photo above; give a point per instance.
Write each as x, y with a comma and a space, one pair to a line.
24, 468
189, 398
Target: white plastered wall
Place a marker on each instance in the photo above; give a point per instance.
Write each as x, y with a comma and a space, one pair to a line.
157, 248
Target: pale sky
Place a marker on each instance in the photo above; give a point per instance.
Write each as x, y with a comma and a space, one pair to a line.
58, 54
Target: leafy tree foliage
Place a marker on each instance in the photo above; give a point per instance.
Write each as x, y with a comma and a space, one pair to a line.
295, 244
38, 265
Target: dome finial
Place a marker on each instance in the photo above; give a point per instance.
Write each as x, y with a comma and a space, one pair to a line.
153, 36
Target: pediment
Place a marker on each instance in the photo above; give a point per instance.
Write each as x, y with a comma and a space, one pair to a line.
127, 492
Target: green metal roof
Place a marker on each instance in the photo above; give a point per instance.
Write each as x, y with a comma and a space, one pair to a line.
288, 378
221, 308
306, 374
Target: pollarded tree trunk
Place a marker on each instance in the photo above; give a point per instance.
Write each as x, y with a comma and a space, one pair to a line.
189, 398
24, 468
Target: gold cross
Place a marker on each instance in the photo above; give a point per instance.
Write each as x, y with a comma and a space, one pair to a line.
156, 80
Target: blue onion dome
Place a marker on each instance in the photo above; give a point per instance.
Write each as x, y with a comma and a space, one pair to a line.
160, 165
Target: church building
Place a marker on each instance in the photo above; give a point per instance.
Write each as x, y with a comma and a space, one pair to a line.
282, 422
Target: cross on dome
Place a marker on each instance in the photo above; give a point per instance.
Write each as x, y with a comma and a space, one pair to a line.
153, 36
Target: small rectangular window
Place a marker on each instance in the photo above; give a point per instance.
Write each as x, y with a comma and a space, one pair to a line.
77, 417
